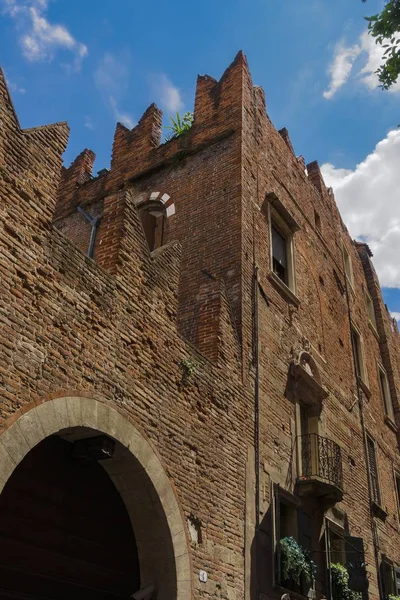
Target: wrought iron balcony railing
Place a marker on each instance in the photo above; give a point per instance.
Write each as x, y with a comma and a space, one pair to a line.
320, 458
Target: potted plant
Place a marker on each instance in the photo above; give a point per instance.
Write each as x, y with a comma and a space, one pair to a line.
340, 584
296, 564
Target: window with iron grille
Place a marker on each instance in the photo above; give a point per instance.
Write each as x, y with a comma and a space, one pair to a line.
373, 470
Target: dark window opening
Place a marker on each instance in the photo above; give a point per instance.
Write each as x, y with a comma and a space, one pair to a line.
370, 308
390, 578
344, 551
356, 343
317, 219
291, 522
398, 490
279, 255
385, 393
152, 217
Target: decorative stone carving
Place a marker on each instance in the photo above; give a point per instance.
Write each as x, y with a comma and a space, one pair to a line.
306, 373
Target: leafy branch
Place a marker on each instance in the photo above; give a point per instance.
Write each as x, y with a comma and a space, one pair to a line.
385, 28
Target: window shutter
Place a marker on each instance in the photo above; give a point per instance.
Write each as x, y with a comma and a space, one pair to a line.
373, 470
355, 563
397, 580
304, 527
277, 529
387, 580
328, 558
356, 352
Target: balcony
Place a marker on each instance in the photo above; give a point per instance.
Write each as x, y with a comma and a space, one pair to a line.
320, 468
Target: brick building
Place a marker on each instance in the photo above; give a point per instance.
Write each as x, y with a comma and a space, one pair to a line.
196, 364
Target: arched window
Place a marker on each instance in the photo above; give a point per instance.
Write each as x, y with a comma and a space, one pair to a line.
152, 215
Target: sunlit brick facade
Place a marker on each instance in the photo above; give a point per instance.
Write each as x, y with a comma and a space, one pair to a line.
202, 307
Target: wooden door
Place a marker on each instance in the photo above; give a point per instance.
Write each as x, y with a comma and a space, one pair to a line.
64, 531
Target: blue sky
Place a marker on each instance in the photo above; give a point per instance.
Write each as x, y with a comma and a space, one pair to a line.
93, 63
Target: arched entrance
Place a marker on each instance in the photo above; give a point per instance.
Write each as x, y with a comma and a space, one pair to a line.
64, 530
156, 524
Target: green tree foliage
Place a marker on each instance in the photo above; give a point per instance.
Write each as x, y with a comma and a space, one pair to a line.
179, 125
385, 28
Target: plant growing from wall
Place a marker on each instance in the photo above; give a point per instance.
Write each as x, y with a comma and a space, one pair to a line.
295, 562
393, 597
179, 125
188, 370
340, 584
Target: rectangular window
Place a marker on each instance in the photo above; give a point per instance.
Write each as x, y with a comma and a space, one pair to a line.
337, 548
390, 576
279, 255
370, 308
282, 228
348, 268
397, 476
373, 470
387, 577
385, 393
397, 581
345, 550
358, 353
317, 220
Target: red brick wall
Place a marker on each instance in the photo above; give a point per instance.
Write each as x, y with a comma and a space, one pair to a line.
121, 325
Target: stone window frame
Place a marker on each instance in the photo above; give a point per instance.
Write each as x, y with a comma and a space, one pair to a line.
348, 266
371, 310
390, 575
396, 477
359, 358
386, 396
376, 498
280, 218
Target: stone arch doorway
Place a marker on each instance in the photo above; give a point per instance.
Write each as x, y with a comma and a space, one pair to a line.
64, 530
157, 527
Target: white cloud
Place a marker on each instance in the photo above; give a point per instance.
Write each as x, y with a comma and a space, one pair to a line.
167, 95
89, 123
122, 117
367, 55
396, 315
39, 38
368, 201
14, 87
340, 68
111, 78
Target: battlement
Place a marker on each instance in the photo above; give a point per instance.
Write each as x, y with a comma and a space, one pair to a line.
198, 189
